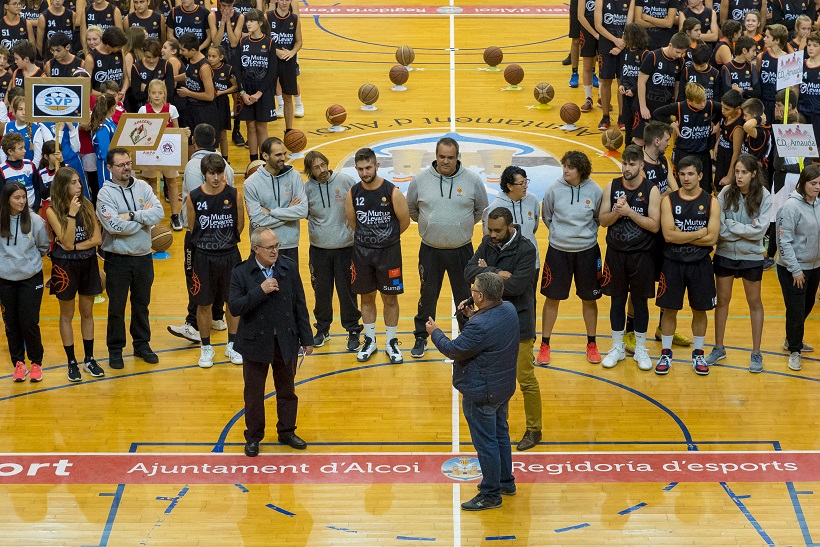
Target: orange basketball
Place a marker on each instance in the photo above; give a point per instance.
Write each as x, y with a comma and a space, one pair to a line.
161, 238
399, 75
513, 74
368, 93
335, 114
405, 55
570, 113
493, 55
612, 138
295, 140
543, 93
252, 167
59, 279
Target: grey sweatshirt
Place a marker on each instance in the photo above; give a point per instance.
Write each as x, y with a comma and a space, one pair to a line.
128, 237
275, 194
741, 237
22, 254
798, 234
194, 178
446, 208
571, 215
327, 222
525, 212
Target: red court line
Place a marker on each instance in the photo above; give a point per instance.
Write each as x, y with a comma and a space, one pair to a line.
433, 10
397, 468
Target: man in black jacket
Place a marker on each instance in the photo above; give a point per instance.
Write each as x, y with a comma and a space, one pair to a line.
267, 296
506, 252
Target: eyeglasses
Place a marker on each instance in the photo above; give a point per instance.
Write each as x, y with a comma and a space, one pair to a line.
123, 164
525, 183
475, 290
270, 248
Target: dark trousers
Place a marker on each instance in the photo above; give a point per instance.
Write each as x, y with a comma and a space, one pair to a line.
491, 439
218, 309
291, 253
287, 403
799, 303
124, 274
21, 315
329, 267
432, 265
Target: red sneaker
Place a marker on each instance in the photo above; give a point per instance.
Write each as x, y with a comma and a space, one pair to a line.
36, 373
593, 356
621, 126
20, 371
587, 106
543, 354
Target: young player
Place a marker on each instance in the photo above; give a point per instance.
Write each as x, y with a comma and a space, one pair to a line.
699, 71
808, 102
802, 29
56, 19
589, 49
741, 73
722, 54
229, 25
106, 61
102, 14
25, 55
224, 86
102, 129
730, 138
286, 34
775, 39
658, 17
257, 80
758, 139
14, 28
611, 44
143, 16
705, 15
737, 9
189, 17
635, 43
63, 63
151, 67
658, 80
33, 134
17, 168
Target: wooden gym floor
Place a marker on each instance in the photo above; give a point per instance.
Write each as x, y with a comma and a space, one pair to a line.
379, 423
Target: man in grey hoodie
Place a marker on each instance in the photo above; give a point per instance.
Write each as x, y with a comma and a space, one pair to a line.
275, 197
127, 209
447, 201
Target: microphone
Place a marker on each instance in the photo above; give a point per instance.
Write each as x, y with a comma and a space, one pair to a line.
467, 304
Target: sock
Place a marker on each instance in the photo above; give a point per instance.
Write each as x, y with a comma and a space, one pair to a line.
545, 340
666, 342
225, 158
590, 339
254, 157
297, 99
389, 332
699, 342
236, 124
630, 324
617, 338
280, 101
370, 331
206, 341
69, 353
640, 339
575, 70
231, 337
588, 91
88, 347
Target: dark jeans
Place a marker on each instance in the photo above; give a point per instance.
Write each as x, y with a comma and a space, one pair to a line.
123, 274
491, 438
799, 303
218, 309
432, 265
291, 253
255, 374
329, 267
21, 315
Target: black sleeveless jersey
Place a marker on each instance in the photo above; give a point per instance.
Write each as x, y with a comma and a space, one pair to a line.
222, 77
663, 74
657, 174
33, 14
163, 7
705, 17
57, 70
193, 80
19, 77
80, 235
215, 229
226, 41
743, 75
739, 8
106, 67
243, 7
708, 79
760, 147
589, 11
614, 16
376, 224
256, 58
695, 126
151, 24
103, 18
5, 79
195, 21
786, 12
625, 235
59, 23
768, 76
283, 29
808, 101
690, 216
11, 34
658, 9
630, 68
144, 74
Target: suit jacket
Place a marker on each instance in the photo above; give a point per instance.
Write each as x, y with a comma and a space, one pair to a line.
282, 313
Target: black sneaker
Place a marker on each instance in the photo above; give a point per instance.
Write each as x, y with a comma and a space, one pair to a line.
93, 368
238, 140
147, 355
480, 503
74, 372
567, 61
353, 341
320, 339
115, 360
419, 347
176, 224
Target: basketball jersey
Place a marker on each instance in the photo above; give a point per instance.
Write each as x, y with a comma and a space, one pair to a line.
19, 77
744, 76
80, 235
32, 14
195, 22
226, 41
193, 80
10, 34
376, 224
222, 77
768, 76
663, 74
57, 70
725, 145
103, 18
630, 68
625, 235
707, 79
690, 216
589, 11
243, 7
5, 80
283, 29
705, 17
23, 174
215, 229
695, 126
657, 174
59, 23
106, 67
145, 74
164, 7
737, 9
720, 43
614, 17
808, 101
658, 9
255, 57
151, 24
760, 147
790, 10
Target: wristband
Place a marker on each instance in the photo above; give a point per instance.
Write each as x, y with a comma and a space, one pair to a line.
131, 215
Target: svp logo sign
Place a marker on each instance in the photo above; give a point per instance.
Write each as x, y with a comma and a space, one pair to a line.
57, 101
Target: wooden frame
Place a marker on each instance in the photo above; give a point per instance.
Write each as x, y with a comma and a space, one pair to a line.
173, 146
140, 131
58, 100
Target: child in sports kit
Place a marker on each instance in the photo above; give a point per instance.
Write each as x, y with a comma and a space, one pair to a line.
611, 44
705, 15
13, 28
286, 34
802, 29
786, 12
752, 27
758, 139
56, 19
690, 222
102, 129
189, 17
257, 76
224, 85
659, 17
62, 63
52, 160
635, 43
699, 71
657, 81
692, 29
655, 164
722, 54
730, 138
143, 16
808, 101
106, 61
199, 84
24, 54
589, 48
229, 25
737, 9
741, 72
33, 134
151, 67
5, 76
16, 168
774, 38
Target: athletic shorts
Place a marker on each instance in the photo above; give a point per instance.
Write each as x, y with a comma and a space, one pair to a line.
574, 24
211, 276
263, 110
374, 270
588, 44
197, 113
750, 270
632, 273
695, 278
638, 122
286, 73
72, 277
560, 267
610, 65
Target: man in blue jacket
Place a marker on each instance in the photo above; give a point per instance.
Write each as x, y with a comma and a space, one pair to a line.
485, 355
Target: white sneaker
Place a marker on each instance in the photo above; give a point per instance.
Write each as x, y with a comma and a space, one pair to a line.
616, 354
206, 357
642, 358
367, 350
280, 111
394, 352
299, 110
218, 324
805, 349
794, 361
185, 331
233, 355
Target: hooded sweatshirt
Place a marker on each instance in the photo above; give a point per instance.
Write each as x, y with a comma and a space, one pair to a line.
571, 215
741, 236
327, 222
275, 193
128, 237
446, 208
525, 213
22, 254
798, 234
193, 179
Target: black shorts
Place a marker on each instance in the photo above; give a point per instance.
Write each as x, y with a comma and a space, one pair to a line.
560, 267
574, 24
70, 277
263, 110
588, 44
695, 278
657, 254
632, 273
750, 270
286, 73
376, 270
610, 64
211, 276
197, 113
223, 115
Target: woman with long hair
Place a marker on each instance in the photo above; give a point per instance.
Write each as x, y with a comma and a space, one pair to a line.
745, 208
74, 268
257, 84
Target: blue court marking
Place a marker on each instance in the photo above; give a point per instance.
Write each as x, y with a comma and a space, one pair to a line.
242, 488
106, 494
798, 513
745, 496
499, 538
175, 500
805, 493
746, 513
632, 509
280, 510
671, 485
411, 538
523, 149
568, 528
348, 530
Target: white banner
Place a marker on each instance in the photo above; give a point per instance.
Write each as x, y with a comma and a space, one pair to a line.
795, 140
790, 70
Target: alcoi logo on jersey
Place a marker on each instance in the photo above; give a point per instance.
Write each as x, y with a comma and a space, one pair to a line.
57, 101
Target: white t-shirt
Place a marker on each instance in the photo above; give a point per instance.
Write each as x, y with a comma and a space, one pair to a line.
172, 110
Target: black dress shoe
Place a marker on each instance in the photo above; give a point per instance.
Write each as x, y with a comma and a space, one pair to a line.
115, 360
480, 503
530, 439
251, 449
292, 440
147, 355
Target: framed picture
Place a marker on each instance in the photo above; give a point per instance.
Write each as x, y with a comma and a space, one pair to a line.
172, 152
140, 131
58, 100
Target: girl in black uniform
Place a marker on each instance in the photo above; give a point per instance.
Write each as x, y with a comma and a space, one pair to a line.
57, 18
13, 28
257, 80
724, 49
802, 29
774, 38
808, 101
170, 53
707, 17
730, 138
636, 41
100, 14
132, 52
152, 21
224, 85
151, 67
199, 84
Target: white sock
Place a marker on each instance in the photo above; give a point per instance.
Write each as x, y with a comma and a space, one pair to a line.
666, 341
699, 340
390, 332
588, 91
640, 339
370, 331
279, 100
297, 99
617, 338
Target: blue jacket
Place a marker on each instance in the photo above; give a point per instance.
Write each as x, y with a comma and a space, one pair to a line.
485, 354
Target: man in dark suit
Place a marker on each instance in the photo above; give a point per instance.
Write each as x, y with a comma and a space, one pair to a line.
267, 296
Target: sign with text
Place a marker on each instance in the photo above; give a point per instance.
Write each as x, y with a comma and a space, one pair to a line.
790, 70
140, 131
795, 140
58, 100
172, 152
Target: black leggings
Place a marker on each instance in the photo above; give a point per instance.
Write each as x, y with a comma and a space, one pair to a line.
617, 313
21, 314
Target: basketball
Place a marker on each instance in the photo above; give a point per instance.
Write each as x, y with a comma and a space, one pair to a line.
335, 114
295, 140
368, 93
405, 55
570, 113
612, 138
513, 74
252, 167
161, 238
493, 56
399, 74
544, 93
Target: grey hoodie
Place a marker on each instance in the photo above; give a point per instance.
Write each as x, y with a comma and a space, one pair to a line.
275, 194
798, 234
446, 208
741, 237
571, 215
525, 213
22, 254
327, 222
128, 237
193, 179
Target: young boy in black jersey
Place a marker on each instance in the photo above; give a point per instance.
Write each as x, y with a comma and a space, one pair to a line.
5, 73
808, 102
741, 72
62, 63
658, 80
758, 139
610, 27
187, 17
143, 16
199, 84
700, 72
100, 13
105, 62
